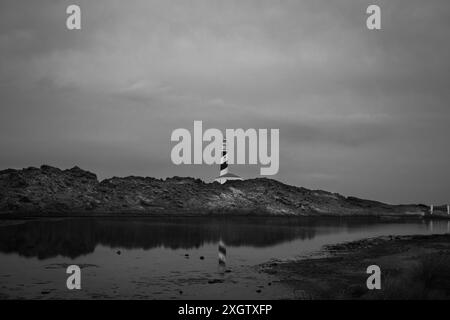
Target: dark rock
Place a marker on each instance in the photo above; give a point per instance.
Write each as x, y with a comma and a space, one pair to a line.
7, 171
49, 169
356, 291
48, 189
213, 281
80, 173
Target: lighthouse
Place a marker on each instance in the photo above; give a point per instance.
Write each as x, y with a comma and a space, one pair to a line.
224, 174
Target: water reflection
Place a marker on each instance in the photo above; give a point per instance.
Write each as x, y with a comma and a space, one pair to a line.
75, 237
222, 256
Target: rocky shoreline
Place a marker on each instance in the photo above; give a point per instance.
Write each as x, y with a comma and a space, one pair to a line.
49, 191
412, 267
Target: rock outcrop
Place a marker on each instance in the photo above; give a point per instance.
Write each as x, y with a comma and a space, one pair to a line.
48, 190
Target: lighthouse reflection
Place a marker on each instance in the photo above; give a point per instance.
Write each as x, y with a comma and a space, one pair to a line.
222, 256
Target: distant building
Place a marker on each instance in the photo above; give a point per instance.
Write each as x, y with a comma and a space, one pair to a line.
224, 174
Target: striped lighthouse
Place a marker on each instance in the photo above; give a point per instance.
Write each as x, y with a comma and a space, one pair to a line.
224, 159
224, 174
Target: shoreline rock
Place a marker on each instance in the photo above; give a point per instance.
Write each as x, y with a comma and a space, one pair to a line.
412, 267
51, 191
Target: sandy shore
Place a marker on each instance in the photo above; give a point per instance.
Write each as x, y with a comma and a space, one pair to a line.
412, 267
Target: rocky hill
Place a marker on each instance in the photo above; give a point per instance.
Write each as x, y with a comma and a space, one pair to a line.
51, 191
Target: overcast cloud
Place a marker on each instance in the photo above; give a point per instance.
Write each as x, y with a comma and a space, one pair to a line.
360, 112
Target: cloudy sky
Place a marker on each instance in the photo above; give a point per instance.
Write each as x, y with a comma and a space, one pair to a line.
360, 112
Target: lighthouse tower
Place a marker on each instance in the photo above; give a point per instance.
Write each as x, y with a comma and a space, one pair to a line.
224, 174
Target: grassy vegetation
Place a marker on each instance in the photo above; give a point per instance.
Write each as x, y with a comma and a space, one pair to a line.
430, 279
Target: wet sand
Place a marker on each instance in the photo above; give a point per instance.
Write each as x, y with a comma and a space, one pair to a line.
412, 267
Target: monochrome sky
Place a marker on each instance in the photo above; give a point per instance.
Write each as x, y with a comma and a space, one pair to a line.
360, 112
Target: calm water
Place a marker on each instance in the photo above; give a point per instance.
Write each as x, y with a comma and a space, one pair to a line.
170, 258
